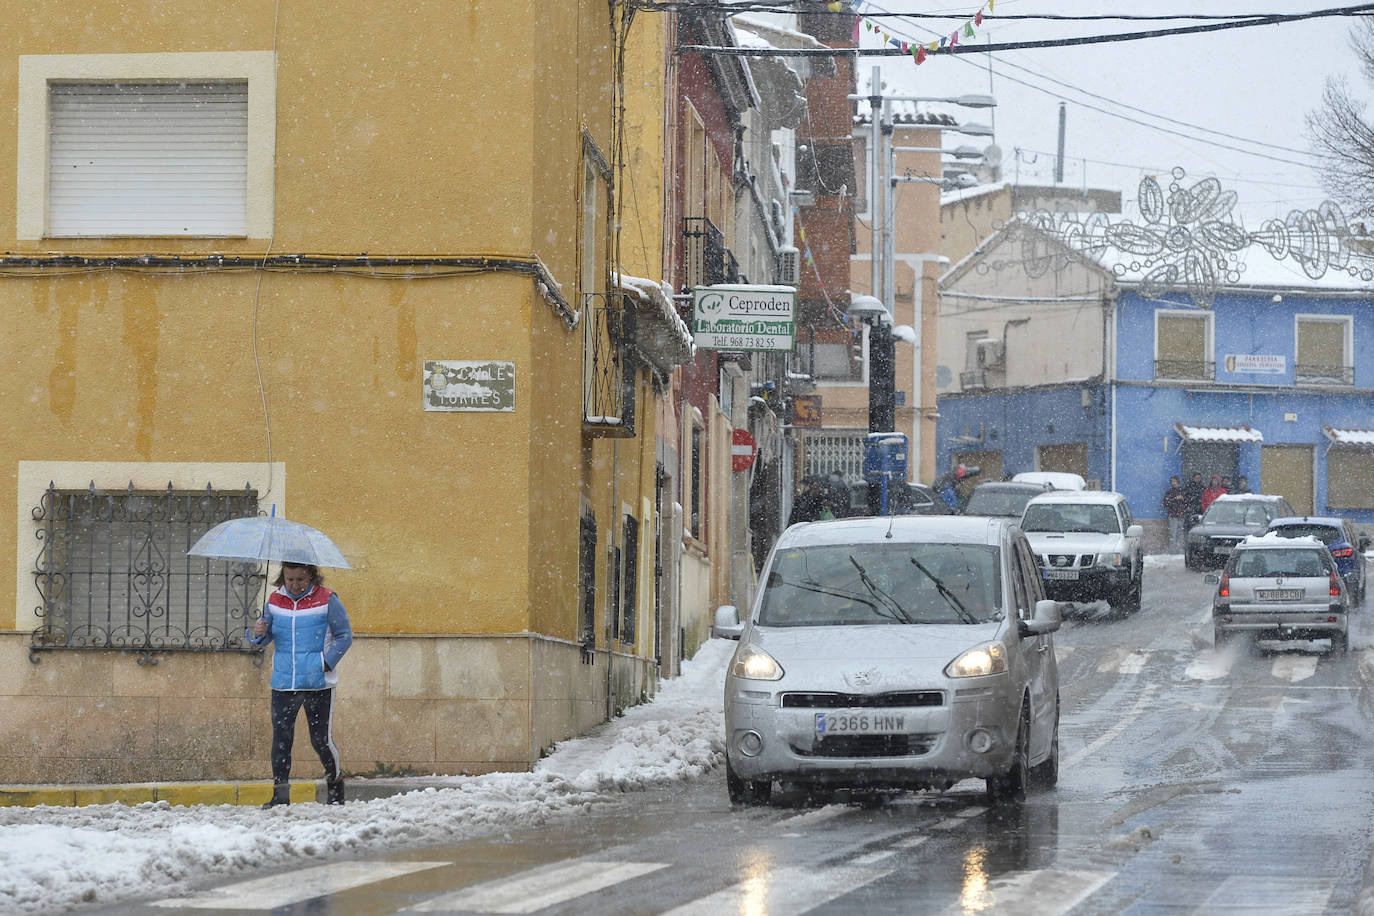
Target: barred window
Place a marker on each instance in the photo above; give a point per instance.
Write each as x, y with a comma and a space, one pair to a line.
112, 571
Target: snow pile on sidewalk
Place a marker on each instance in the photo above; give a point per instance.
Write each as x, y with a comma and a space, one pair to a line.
54, 859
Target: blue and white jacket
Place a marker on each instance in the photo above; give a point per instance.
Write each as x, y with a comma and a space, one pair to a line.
311, 632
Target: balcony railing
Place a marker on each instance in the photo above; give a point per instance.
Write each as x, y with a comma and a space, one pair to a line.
1189, 369
705, 256
1319, 374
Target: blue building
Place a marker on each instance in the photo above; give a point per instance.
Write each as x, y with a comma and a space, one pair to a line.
1082, 359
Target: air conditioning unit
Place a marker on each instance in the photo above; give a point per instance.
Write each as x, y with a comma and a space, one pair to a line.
989, 353
789, 266
973, 378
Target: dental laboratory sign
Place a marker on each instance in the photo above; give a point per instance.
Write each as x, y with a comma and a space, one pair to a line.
728, 317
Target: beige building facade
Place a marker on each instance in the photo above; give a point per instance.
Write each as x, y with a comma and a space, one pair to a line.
376, 291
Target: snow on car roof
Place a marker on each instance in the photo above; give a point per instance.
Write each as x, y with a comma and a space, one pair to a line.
1244, 497
877, 529
1077, 497
1274, 539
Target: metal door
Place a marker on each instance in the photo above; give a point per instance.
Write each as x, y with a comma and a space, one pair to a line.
1287, 471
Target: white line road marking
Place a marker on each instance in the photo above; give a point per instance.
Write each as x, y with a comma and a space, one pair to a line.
1294, 667
788, 891
295, 886
535, 890
1029, 893
1246, 894
1143, 701
910, 842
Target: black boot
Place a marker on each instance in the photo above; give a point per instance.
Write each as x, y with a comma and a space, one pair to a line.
334, 792
281, 795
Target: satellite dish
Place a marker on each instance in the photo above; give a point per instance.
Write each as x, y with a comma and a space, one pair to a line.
993, 154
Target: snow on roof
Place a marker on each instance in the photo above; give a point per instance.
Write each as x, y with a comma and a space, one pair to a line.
1219, 433
1349, 436
1274, 539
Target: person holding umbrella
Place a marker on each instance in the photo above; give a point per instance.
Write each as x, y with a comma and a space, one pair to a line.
310, 632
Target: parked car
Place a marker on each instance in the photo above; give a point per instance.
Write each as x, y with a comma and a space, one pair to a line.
903, 499
1002, 499
1276, 587
1347, 546
1229, 520
1088, 547
906, 652
1059, 480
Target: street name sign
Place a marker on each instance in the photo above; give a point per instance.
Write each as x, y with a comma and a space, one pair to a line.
738, 317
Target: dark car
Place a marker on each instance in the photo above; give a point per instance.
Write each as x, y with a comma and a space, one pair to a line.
903, 499
1347, 545
1002, 499
1230, 519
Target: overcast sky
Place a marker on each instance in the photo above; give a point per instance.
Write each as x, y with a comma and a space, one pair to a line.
1230, 94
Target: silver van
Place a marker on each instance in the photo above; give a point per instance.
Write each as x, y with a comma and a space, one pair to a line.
888, 653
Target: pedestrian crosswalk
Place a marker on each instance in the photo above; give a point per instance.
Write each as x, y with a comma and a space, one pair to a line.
756, 883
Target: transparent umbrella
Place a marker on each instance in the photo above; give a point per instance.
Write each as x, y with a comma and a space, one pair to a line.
269, 538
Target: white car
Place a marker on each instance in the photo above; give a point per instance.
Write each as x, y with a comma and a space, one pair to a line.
1059, 480
890, 653
1088, 547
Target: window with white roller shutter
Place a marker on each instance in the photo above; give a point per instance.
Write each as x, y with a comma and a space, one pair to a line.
148, 158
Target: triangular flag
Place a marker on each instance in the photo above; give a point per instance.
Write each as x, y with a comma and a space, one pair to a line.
978, 19
921, 55
934, 46
954, 39
906, 48
856, 30
968, 29
835, 6
886, 38
991, 4
943, 42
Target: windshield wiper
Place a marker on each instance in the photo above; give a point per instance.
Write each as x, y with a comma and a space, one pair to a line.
881, 595
838, 593
945, 593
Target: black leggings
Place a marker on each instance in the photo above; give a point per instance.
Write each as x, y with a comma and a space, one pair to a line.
319, 718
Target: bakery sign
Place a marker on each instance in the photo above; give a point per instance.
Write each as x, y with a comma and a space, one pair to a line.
469, 384
737, 317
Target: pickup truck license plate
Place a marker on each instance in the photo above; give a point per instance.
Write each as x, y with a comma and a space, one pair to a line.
1278, 594
859, 723
1061, 574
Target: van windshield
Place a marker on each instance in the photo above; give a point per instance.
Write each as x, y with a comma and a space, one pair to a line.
1064, 518
865, 584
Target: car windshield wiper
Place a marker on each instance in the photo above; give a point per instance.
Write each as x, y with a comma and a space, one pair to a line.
838, 593
945, 593
899, 611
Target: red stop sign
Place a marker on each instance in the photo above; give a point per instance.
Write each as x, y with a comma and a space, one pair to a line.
743, 450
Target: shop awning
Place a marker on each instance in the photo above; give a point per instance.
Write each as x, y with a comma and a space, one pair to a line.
1349, 436
1219, 433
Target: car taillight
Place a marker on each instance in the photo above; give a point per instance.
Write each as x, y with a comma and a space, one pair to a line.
1343, 552
1335, 584
1224, 587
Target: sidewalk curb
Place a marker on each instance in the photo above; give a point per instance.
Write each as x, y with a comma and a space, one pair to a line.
174, 793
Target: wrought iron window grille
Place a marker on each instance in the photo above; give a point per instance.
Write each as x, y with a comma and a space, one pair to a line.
112, 573
706, 259
608, 373
1187, 369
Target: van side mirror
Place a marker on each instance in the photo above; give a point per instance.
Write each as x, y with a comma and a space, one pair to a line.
1048, 615
727, 625
1212, 579
1135, 531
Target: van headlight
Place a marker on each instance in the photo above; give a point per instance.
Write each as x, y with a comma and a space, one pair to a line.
755, 664
1109, 559
980, 661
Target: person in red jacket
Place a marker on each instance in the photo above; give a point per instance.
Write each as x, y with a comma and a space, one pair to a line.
1214, 489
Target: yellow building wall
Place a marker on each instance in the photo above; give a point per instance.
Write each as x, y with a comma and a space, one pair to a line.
446, 130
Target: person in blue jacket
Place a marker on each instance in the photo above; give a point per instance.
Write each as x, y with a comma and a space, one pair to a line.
309, 630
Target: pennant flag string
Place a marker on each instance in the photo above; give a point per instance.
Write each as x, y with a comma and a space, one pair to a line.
918, 52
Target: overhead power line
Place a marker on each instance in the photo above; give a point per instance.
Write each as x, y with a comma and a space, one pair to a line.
1363, 9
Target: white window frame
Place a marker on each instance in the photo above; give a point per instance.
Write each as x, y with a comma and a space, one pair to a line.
38, 71
1347, 323
1208, 344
